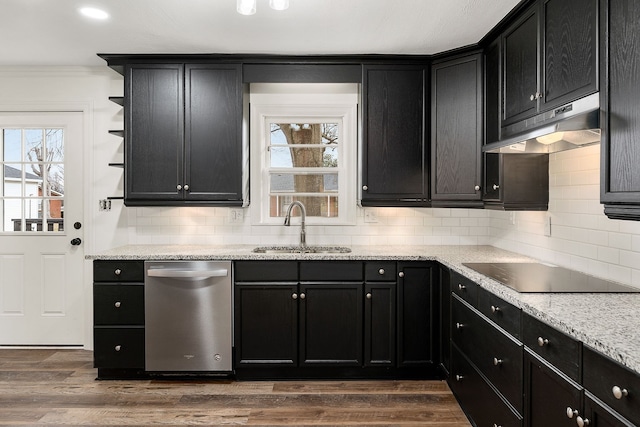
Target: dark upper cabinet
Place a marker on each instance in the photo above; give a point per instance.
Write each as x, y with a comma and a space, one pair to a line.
395, 163
620, 90
456, 131
520, 45
516, 181
183, 140
550, 57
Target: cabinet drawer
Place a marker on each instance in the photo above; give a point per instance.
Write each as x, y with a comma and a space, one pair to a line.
502, 313
266, 271
601, 374
118, 304
118, 347
118, 271
380, 271
495, 354
554, 346
322, 271
468, 385
465, 288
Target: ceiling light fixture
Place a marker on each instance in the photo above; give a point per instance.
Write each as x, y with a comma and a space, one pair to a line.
93, 13
248, 7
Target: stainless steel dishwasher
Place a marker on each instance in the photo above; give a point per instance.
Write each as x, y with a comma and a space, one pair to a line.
188, 320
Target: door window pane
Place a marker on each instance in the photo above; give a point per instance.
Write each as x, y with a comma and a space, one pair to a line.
33, 179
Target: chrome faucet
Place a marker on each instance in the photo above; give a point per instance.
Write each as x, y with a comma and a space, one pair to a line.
303, 217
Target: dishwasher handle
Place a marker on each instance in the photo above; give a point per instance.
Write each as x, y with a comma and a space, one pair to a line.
171, 272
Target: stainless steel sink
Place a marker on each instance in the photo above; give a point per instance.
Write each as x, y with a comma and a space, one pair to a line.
301, 250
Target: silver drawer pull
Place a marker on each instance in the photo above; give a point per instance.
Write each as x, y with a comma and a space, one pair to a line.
118, 348
582, 421
117, 304
542, 341
619, 393
459, 325
381, 272
495, 309
118, 272
461, 286
294, 296
459, 378
497, 362
369, 296
401, 274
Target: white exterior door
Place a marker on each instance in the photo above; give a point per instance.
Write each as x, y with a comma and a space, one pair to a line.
41, 255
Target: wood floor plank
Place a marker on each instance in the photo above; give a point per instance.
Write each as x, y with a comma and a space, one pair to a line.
59, 387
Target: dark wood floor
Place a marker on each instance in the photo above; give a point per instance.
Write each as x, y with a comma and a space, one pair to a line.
58, 387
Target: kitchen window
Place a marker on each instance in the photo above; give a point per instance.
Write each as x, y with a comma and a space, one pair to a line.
303, 147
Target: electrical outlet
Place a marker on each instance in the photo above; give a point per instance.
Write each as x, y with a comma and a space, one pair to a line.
370, 216
236, 216
547, 226
104, 205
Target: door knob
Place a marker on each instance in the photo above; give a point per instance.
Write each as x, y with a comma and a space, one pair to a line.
76, 241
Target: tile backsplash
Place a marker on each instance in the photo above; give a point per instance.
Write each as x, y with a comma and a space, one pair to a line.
582, 237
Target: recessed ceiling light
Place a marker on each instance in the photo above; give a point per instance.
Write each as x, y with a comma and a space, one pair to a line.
92, 12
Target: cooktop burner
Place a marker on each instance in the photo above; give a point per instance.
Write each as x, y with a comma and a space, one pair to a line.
536, 277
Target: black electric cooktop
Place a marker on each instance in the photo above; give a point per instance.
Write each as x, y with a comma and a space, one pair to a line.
539, 278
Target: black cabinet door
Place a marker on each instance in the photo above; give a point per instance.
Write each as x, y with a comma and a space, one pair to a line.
570, 40
154, 115
266, 324
549, 396
213, 132
380, 324
418, 304
599, 414
520, 67
394, 155
456, 129
620, 110
331, 324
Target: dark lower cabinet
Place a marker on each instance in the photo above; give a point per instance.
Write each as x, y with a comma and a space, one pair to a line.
551, 398
380, 321
261, 310
118, 319
598, 414
331, 324
479, 400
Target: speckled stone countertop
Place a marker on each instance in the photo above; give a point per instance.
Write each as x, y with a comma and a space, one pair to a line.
606, 322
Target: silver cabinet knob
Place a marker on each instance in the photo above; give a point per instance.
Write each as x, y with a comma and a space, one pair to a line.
532, 97
461, 286
459, 377
381, 272
369, 296
459, 325
582, 421
117, 348
496, 425
302, 296
117, 272
179, 187
495, 309
294, 296
365, 188
572, 412
186, 187
496, 186
477, 188
401, 274
542, 341
117, 304
619, 393
497, 362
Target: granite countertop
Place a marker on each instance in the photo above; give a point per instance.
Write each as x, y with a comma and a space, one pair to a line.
606, 322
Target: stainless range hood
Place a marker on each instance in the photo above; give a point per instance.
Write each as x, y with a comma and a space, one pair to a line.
573, 125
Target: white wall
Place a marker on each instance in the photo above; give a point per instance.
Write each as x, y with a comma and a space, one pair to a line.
582, 237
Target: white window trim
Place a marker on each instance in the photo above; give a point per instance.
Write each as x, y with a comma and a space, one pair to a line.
270, 103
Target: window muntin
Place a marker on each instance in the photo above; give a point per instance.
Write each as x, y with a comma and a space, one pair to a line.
32, 179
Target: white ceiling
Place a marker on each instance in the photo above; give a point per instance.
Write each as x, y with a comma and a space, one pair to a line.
52, 32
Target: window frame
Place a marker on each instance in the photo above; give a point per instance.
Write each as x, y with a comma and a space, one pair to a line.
304, 104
